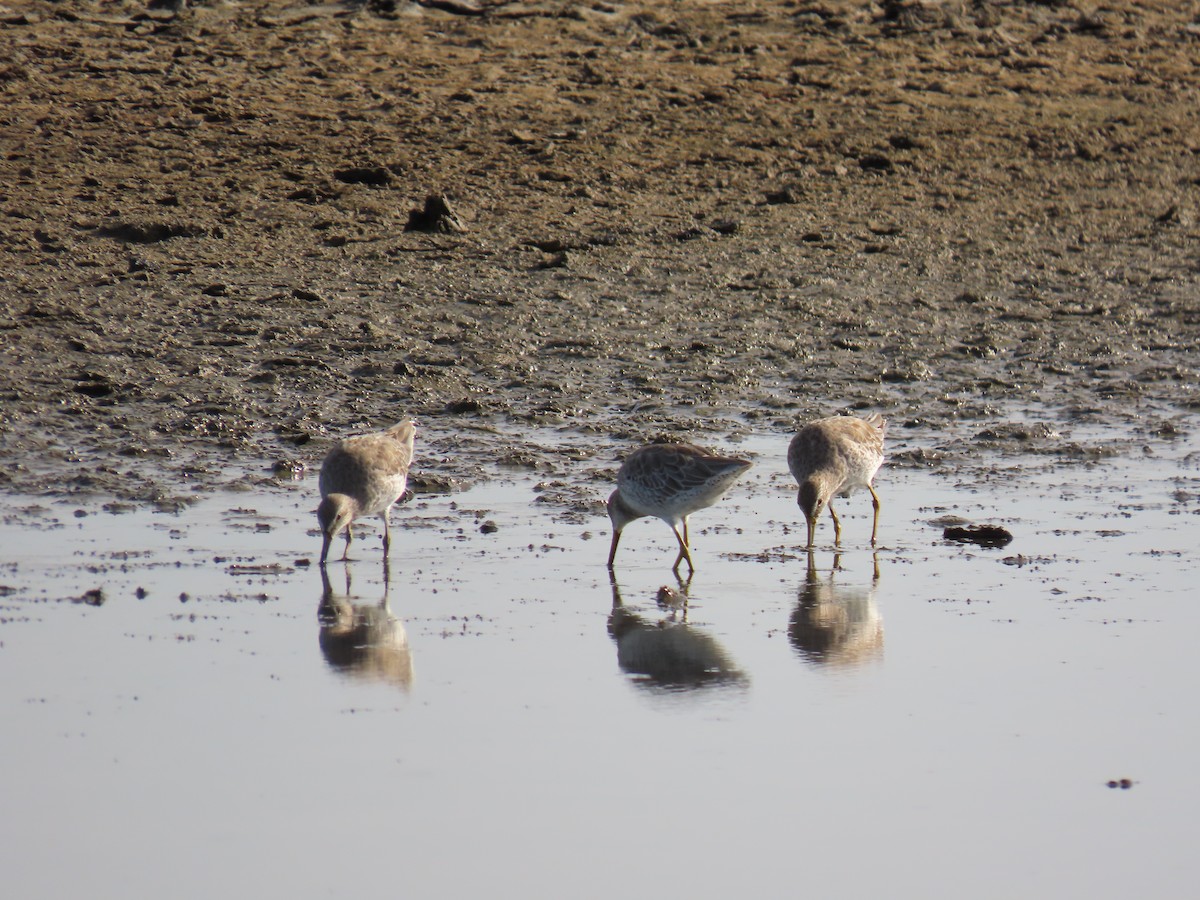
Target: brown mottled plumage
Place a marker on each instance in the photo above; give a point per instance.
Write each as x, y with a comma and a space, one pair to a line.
670, 481
364, 476
833, 457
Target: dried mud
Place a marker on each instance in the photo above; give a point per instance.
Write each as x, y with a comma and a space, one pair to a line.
702, 218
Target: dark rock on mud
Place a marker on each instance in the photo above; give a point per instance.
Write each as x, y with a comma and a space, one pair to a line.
149, 232
983, 535
437, 215
377, 176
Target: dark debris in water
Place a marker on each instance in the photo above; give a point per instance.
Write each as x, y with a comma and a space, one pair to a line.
983, 535
94, 597
1021, 560
258, 569
670, 598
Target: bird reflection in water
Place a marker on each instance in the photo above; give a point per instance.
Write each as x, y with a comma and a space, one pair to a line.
668, 653
363, 640
836, 625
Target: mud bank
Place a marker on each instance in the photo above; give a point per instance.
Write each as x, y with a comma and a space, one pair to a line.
704, 219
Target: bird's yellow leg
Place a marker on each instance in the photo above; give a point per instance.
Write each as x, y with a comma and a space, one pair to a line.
837, 526
874, 503
684, 553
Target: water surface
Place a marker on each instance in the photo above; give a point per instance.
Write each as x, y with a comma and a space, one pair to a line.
225, 720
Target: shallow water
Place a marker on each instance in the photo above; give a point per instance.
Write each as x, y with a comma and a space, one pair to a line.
947, 729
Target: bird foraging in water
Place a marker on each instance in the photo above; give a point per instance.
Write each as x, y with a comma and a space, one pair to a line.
832, 458
364, 476
670, 482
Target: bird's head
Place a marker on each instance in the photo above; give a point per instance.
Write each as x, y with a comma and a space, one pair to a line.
811, 504
335, 513
621, 515
810, 501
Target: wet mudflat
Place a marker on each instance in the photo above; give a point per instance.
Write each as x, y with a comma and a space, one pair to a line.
220, 716
680, 218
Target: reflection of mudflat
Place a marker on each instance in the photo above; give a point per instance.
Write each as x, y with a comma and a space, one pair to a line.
668, 653
836, 625
364, 641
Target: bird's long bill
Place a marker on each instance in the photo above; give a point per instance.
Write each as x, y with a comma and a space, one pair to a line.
812, 531
326, 539
612, 551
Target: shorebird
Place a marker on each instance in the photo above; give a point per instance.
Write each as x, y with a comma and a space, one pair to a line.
364, 476
670, 481
832, 458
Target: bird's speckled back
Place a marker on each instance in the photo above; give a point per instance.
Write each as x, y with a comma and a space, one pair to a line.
370, 468
672, 480
845, 450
